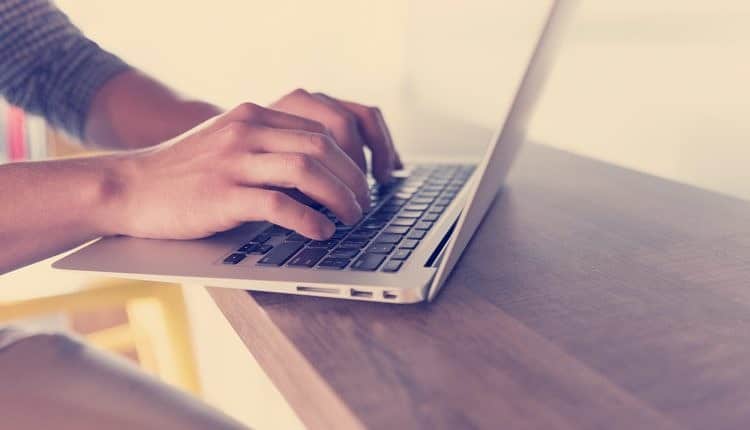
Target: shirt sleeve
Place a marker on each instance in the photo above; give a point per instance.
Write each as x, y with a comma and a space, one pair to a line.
47, 66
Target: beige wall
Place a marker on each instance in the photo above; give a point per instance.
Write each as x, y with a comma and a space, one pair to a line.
658, 86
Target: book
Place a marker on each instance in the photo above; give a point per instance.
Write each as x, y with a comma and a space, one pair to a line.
3, 131
16, 134
22, 136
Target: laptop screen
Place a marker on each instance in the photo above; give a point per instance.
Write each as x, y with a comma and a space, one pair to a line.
462, 67
510, 134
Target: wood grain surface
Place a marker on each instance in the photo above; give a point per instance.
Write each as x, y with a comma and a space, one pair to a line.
592, 297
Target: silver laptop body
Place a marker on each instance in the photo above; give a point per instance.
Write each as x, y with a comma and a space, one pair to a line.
379, 267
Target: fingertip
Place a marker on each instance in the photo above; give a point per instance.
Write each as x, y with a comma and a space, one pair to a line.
323, 231
356, 215
383, 176
363, 201
397, 163
328, 229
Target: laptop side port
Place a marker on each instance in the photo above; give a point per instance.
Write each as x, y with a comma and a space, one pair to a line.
389, 295
317, 290
360, 293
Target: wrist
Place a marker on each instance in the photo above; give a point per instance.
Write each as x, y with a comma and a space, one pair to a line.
112, 190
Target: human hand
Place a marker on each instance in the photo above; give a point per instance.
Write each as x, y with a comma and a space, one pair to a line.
217, 176
353, 126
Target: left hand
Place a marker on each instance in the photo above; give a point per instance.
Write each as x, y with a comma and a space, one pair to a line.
352, 125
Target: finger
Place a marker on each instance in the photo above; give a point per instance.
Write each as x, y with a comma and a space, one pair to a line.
341, 123
378, 138
252, 113
319, 146
398, 164
255, 204
304, 173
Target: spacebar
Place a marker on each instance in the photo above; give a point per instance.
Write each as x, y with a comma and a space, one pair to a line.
281, 253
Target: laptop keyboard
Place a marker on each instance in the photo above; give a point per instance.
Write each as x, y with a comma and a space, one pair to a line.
400, 215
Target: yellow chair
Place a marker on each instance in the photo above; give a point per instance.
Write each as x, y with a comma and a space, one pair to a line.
157, 326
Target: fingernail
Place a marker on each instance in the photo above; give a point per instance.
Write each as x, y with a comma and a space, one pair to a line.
329, 230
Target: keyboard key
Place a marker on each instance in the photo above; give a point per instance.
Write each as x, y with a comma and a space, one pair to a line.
368, 262
281, 253
308, 257
261, 238
416, 234
396, 230
234, 258
277, 230
389, 238
416, 207
363, 234
334, 263
409, 244
398, 202
392, 266
384, 213
380, 248
443, 201
437, 208
404, 222
431, 217
422, 200
248, 248
372, 224
344, 252
400, 254
262, 249
390, 207
327, 244
338, 235
423, 225
296, 237
354, 243
410, 214
404, 194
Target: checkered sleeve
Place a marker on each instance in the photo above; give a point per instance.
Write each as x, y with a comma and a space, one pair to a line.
47, 66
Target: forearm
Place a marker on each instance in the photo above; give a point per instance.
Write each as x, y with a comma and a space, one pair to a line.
133, 110
52, 206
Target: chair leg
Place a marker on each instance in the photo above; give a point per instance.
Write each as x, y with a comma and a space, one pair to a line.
177, 325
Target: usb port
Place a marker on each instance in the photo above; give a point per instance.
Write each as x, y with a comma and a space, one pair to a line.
361, 293
389, 295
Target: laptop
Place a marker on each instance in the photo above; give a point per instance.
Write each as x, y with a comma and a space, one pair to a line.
403, 249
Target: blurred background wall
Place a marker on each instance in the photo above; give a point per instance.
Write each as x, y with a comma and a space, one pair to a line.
657, 86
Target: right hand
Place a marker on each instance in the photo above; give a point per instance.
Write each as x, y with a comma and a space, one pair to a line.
227, 171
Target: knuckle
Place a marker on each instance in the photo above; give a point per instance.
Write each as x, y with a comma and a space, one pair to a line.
248, 110
299, 92
374, 111
273, 202
236, 131
298, 162
320, 144
318, 127
343, 121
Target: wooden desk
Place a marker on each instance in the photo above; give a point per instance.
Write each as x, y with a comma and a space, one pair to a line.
592, 297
